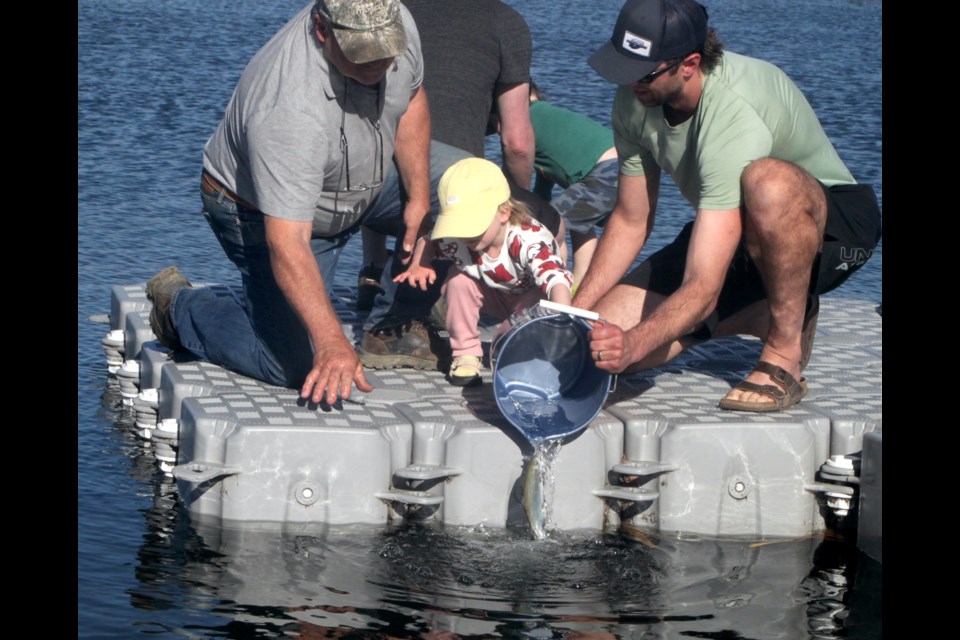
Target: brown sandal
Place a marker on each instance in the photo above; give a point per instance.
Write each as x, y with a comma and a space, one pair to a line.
789, 393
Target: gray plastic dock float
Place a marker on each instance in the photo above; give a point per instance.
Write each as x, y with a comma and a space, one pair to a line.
661, 455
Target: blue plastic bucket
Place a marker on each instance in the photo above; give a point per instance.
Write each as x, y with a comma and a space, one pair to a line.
545, 382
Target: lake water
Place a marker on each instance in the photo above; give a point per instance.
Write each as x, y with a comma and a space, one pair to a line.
153, 79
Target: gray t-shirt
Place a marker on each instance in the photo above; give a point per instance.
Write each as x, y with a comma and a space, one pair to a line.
470, 48
280, 145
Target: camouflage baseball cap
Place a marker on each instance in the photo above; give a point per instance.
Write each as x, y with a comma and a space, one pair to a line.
366, 30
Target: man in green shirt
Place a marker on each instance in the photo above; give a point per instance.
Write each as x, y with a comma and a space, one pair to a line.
779, 219
577, 154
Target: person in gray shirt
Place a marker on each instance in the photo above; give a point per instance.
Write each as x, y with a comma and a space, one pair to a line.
305, 155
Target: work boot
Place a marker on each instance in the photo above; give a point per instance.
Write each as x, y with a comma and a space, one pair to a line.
160, 291
412, 344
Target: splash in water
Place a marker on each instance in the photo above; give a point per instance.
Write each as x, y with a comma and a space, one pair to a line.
538, 485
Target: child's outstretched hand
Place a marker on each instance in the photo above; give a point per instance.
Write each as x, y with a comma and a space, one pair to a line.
418, 275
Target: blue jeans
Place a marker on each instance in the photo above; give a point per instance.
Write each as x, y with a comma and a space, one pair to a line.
259, 334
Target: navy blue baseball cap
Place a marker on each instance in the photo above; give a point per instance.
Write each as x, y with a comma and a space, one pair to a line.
647, 33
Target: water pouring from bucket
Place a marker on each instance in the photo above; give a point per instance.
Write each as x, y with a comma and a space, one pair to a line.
547, 387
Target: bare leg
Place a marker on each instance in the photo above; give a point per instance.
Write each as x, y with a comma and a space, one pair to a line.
561, 239
753, 321
626, 306
784, 213
584, 244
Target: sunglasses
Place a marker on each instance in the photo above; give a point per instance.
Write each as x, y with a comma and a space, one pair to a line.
345, 150
653, 75
375, 182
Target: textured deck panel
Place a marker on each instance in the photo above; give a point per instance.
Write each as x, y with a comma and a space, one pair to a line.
773, 455
271, 457
854, 322
841, 380
419, 384
851, 418
124, 300
183, 380
714, 368
136, 333
265, 455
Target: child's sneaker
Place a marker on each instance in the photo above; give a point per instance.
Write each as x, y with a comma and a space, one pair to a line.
465, 371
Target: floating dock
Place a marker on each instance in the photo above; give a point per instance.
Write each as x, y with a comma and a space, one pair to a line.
659, 456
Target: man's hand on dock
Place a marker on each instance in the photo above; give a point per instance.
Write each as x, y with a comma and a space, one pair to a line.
336, 368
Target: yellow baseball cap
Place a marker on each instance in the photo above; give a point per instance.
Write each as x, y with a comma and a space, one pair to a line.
470, 193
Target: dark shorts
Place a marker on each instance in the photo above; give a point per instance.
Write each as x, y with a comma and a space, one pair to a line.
853, 230
588, 203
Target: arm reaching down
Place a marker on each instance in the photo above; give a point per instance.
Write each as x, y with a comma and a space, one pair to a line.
715, 237
516, 132
336, 366
412, 154
623, 238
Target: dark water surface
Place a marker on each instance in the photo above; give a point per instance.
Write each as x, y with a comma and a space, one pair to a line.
153, 79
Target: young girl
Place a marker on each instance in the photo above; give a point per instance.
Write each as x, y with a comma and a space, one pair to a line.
506, 261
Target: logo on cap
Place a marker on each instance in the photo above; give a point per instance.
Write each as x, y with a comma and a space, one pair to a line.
635, 44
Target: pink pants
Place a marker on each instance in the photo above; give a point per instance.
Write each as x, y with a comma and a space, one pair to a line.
466, 297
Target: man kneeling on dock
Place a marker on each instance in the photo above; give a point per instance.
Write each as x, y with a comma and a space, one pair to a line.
328, 121
779, 218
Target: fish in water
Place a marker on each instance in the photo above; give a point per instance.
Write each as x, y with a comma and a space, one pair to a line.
537, 479
533, 500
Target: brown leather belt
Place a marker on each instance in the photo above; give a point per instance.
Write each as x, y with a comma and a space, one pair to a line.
213, 187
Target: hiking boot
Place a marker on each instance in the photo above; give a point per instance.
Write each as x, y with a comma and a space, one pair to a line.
160, 291
368, 286
465, 371
412, 344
